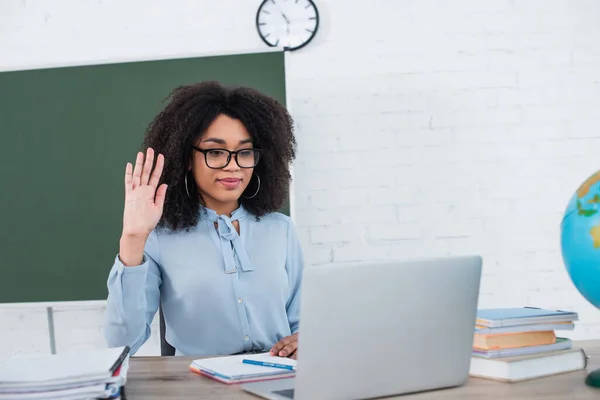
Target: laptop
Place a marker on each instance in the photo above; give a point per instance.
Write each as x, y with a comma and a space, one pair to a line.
376, 329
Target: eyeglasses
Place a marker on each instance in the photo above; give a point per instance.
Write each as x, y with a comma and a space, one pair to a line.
219, 158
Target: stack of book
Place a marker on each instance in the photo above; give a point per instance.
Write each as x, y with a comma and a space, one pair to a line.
516, 344
98, 374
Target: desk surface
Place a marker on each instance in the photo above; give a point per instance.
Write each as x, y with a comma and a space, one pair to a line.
169, 377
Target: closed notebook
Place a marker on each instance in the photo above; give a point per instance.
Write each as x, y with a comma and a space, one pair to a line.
502, 317
94, 374
560, 344
41, 371
548, 326
513, 340
526, 367
231, 369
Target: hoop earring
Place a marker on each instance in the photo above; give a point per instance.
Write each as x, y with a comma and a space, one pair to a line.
257, 189
186, 185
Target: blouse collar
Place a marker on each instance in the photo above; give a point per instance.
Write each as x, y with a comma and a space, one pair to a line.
229, 238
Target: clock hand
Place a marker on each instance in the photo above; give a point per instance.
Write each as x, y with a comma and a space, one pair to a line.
284, 17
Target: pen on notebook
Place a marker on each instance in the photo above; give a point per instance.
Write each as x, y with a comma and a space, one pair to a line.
269, 364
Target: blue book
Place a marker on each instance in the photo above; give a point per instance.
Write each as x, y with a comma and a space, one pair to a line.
543, 326
496, 317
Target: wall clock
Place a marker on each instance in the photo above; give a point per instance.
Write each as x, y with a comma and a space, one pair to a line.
291, 24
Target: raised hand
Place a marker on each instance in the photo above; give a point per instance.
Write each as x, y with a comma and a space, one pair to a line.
143, 201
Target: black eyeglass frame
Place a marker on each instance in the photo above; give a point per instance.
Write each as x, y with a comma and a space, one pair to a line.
257, 153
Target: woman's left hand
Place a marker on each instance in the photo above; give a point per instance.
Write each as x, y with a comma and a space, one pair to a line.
286, 347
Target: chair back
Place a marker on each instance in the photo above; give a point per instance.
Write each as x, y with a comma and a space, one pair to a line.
165, 348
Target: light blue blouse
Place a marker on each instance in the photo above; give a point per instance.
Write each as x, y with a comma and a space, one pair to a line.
221, 293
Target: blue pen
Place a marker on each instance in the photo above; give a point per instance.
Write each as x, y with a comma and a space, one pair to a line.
269, 364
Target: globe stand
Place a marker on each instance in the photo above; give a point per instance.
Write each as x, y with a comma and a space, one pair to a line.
593, 378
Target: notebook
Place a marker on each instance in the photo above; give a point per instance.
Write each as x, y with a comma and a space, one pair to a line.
502, 317
548, 326
560, 344
231, 369
513, 340
97, 373
525, 367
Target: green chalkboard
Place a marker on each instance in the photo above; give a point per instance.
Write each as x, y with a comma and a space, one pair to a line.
66, 135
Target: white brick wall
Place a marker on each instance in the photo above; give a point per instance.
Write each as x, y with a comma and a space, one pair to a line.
425, 127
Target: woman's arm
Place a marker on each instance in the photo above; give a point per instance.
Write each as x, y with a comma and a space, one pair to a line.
133, 299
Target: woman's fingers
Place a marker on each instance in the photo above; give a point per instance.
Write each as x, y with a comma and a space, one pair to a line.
128, 177
137, 170
286, 346
278, 346
161, 193
147, 166
142, 172
155, 178
288, 349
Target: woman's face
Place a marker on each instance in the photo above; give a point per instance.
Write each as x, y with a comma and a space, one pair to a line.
221, 188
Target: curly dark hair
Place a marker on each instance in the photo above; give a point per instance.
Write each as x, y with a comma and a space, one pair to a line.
192, 108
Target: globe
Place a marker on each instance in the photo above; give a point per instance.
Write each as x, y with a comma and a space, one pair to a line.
580, 246
580, 239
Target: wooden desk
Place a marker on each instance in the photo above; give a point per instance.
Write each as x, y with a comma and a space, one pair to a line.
169, 378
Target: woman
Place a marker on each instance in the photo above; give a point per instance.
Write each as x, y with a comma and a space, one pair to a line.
201, 235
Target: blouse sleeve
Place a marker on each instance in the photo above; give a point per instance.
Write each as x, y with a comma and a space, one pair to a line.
133, 299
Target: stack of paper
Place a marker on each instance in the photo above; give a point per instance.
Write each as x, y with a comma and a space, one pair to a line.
97, 374
232, 369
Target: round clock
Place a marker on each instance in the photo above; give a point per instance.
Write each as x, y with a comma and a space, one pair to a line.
291, 24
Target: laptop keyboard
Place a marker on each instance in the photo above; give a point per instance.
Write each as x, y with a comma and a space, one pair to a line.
289, 393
